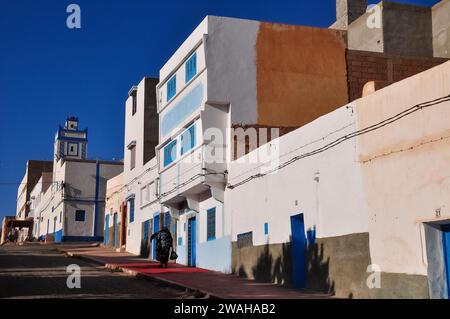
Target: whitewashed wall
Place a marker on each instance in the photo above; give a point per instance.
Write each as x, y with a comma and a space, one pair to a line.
327, 188
144, 209
406, 168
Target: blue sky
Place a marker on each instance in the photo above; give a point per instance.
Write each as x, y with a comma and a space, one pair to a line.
48, 72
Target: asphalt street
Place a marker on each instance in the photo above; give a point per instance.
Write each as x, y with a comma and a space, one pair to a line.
39, 271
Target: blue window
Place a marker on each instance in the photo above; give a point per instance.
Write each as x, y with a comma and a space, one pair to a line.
171, 88
80, 215
131, 203
211, 223
146, 229
180, 241
266, 228
188, 140
191, 67
170, 152
167, 220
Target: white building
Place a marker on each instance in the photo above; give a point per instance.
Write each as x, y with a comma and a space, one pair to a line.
229, 74
34, 171
308, 208
72, 207
36, 198
361, 190
140, 169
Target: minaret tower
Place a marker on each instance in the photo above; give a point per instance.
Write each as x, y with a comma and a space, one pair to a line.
70, 141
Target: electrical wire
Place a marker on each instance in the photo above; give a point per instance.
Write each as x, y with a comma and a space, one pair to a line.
344, 138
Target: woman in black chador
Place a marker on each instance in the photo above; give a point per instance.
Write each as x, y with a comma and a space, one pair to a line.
163, 245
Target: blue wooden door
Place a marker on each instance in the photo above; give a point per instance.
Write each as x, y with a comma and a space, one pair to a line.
192, 240
115, 231
106, 230
155, 230
446, 238
298, 243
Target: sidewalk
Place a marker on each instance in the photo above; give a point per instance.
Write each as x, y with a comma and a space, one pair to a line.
214, 284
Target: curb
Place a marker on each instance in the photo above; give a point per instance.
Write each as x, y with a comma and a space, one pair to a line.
138, 275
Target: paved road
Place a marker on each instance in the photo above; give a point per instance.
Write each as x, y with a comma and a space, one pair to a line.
38, 271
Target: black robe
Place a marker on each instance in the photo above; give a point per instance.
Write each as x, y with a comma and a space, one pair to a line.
163, 244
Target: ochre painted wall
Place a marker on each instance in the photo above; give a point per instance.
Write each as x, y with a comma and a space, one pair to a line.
301, 73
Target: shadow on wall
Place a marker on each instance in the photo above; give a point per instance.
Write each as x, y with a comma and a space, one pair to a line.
273, 269
273, 263
318, 269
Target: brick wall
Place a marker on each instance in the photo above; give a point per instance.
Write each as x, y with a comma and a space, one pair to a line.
363, 67
244, 140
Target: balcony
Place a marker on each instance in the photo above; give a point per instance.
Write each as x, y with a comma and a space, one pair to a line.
196, 159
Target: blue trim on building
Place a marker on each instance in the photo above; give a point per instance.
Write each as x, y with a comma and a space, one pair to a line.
171, 87
97, 186
446, 246
184, 108
191, 67
170, 153
188, 139
131, 205
58, 236
61, 129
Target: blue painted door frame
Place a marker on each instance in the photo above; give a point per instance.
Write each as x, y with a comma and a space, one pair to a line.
192, 241
298, 246
116, 231
446, 245
106, 230
155, 229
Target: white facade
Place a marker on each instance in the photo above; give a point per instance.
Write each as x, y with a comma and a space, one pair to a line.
327, 187
365, 205
68, 203
140, 177
36, 197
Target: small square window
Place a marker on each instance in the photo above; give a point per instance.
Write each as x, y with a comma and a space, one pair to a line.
80, 216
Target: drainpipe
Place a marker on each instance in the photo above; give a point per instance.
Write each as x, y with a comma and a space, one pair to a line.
97, 185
